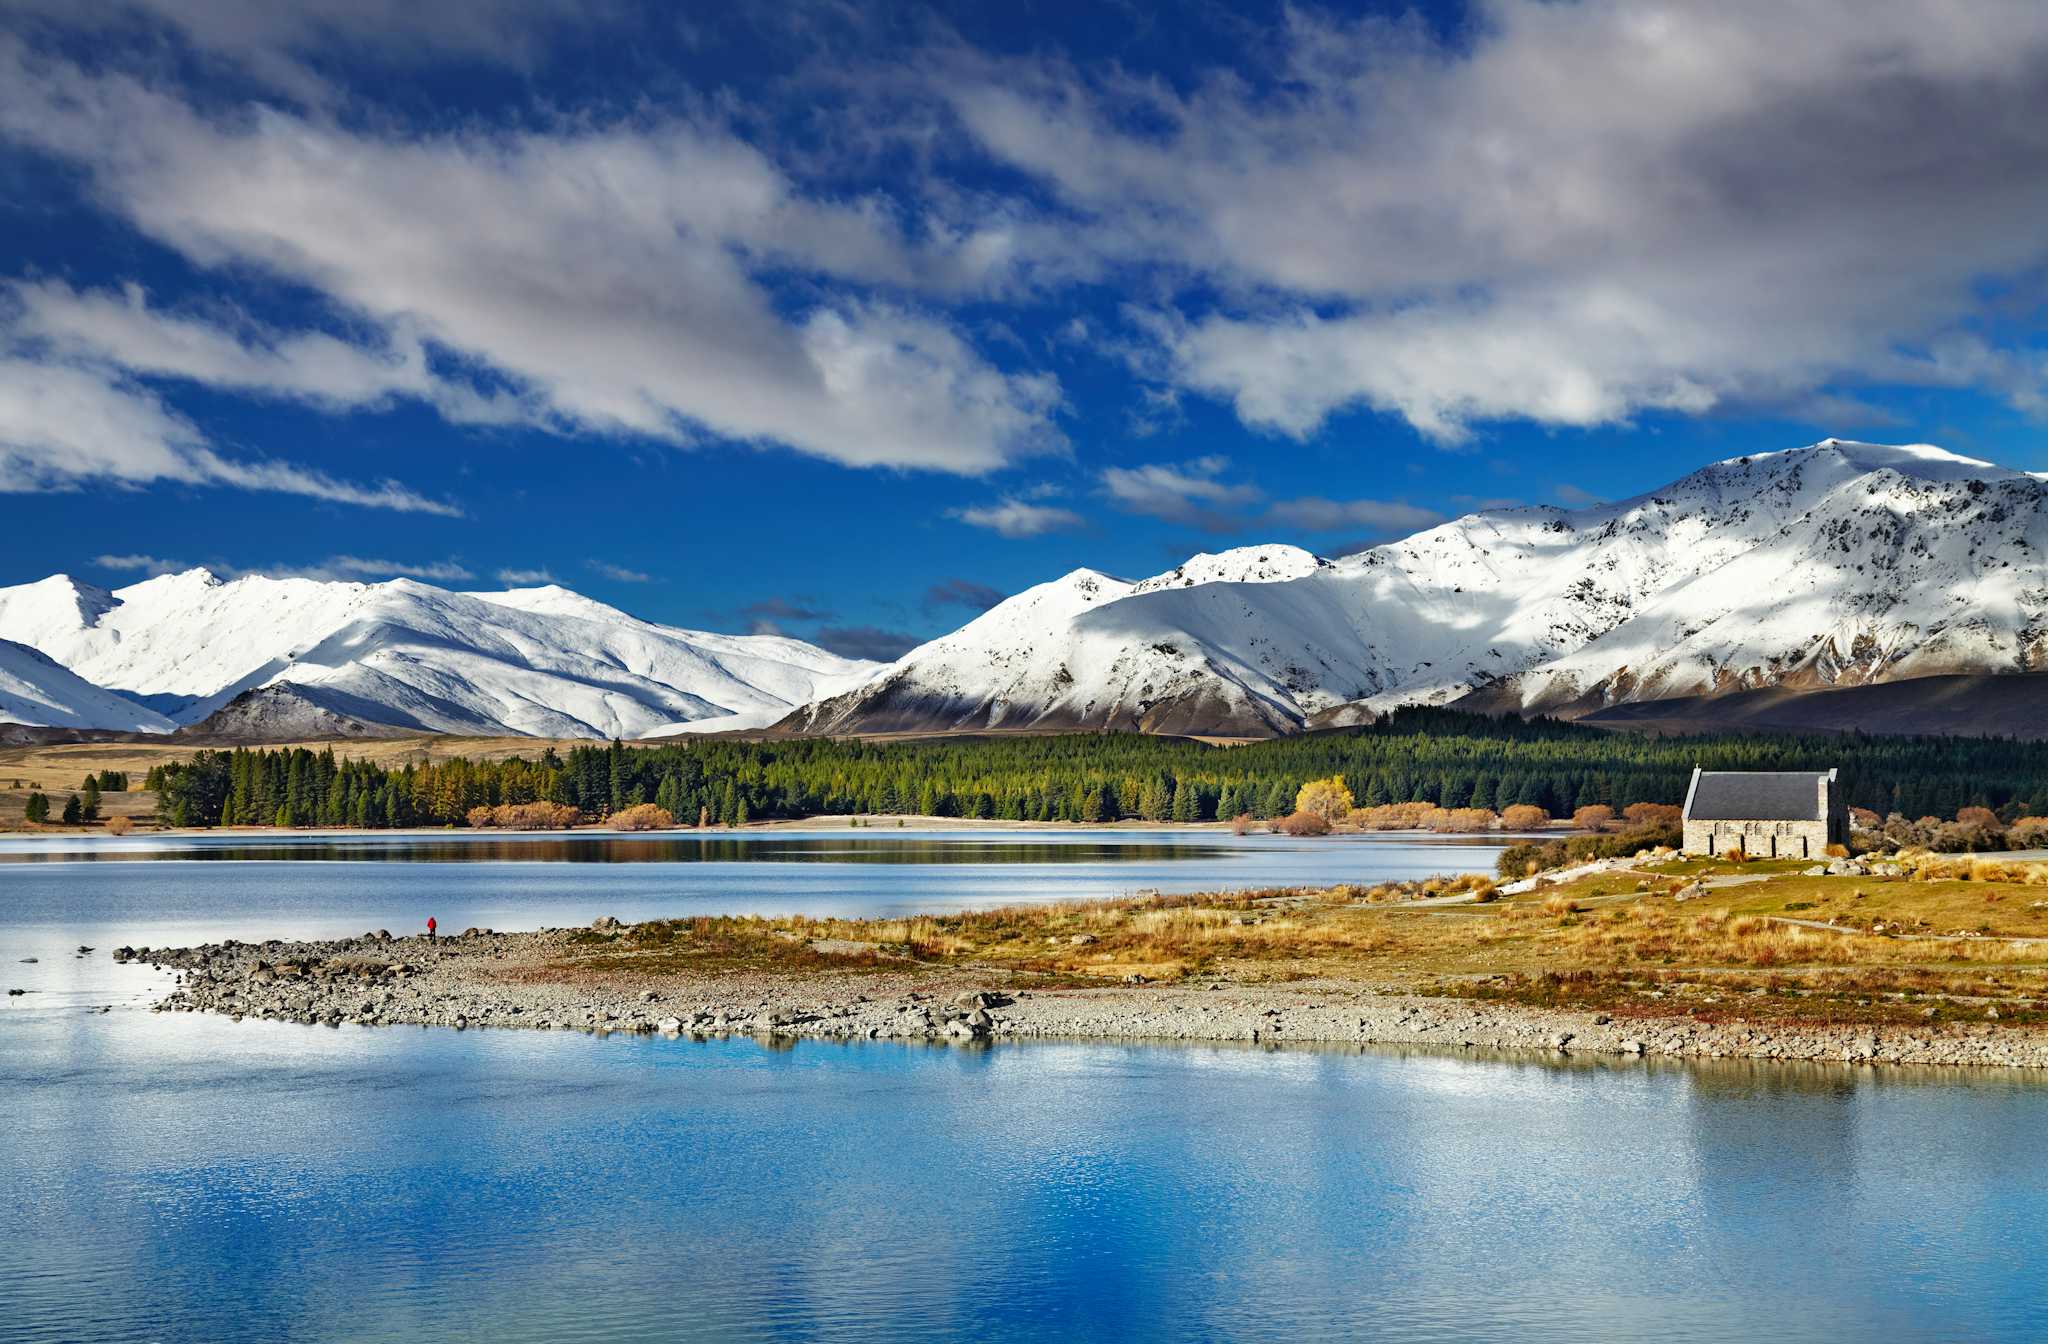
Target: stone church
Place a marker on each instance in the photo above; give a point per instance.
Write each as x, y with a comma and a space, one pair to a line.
1775, 814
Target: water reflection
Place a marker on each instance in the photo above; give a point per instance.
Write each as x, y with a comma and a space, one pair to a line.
703, 847
196, 1179
633, 849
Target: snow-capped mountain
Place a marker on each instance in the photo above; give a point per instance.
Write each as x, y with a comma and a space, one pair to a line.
537, 661
37, 691
1059, 655
1837, 563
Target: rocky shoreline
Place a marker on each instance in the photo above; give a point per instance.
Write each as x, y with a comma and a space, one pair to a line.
514, 980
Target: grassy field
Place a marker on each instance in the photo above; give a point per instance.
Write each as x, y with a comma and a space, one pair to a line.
1900, 949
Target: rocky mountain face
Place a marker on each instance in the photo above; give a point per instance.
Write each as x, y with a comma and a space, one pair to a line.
1836, 564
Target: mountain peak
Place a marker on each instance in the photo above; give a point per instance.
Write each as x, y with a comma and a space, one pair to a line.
1924, 461
1271, 563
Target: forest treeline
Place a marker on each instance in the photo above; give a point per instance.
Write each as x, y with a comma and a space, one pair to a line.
1441, 757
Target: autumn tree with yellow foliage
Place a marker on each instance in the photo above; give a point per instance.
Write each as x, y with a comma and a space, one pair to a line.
1329, 799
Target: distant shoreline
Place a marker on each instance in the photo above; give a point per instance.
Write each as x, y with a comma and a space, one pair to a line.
827, 821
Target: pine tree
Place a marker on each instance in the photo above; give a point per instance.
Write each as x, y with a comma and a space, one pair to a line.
38, 808
1187, 805
73, 811
91, 801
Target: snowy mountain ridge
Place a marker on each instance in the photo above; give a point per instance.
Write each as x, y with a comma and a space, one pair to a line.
535, 661
1839, 564
1834, 564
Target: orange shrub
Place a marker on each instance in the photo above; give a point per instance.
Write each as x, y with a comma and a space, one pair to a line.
1593, 817
1395, 816
1643, 816
1304, 823
479, 817
1462, 820
643, 817
1524, 817
537, 816
2028, 833
119, 825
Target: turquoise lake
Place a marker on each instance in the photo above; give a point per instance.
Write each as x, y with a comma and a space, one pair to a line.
191, 1178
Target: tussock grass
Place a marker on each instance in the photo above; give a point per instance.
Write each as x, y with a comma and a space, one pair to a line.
1612, 944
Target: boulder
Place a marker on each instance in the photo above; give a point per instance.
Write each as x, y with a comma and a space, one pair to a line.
604, 922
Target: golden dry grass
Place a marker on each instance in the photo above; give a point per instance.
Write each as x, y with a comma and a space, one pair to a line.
1589, 944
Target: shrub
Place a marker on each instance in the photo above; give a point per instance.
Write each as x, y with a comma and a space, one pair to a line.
1643, 816
1527, 860
1735, 855
2027, 833
1836, 851
478, 818
1241, 824
1593, 817
643, 817
1305, 823
537, 816
1395, 816
1524, 817
1462, 820
119, 825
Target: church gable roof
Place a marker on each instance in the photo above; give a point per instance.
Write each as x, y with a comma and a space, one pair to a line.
1763, 795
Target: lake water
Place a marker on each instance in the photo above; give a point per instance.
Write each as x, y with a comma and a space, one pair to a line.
189, 1178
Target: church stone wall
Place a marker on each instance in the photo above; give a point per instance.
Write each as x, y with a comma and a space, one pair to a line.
1759, 839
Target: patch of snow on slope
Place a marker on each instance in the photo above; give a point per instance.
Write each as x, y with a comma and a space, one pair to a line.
38, 691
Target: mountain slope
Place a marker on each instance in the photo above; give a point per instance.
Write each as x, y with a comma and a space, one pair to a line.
37, 691
1961, 706
1836, 563
1047, 659
530, 661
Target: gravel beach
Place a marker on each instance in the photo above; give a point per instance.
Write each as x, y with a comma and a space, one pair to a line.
518, 980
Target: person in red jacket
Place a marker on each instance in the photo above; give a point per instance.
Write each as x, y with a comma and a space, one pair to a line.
430, 926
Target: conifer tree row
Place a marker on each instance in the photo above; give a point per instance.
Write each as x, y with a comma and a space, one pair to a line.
1434, 756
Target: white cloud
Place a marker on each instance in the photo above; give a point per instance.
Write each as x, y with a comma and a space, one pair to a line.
614, 275
63, 425
151, 565
1384, 516
1186, 493
273, 42
1572, 496
618, 573
1015, 519
1567, 213
122, 330
434, 571
524, 578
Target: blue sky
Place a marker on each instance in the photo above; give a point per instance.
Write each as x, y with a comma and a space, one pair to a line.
845, 320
